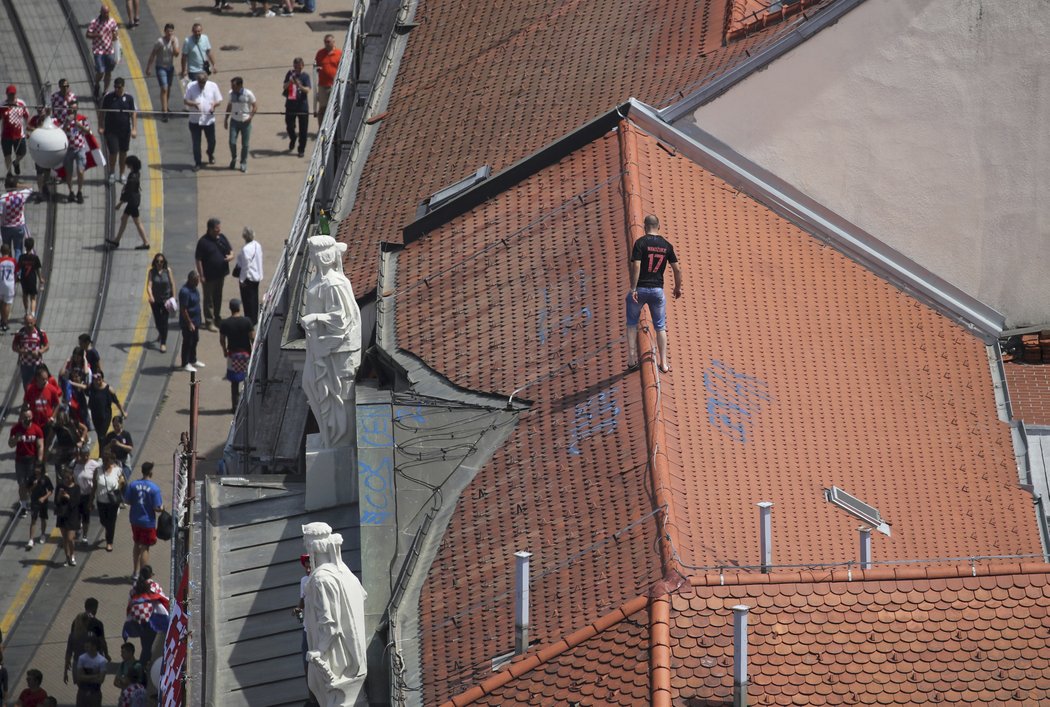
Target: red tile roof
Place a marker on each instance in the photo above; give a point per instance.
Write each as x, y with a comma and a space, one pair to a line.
1029, 388
491, 82
795, 369
925, 635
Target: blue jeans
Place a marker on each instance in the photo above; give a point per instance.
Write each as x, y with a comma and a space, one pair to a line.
195, 137
245, 132
13, 237
655, 298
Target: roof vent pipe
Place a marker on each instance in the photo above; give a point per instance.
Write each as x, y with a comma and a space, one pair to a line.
865, 547
521, 601
765, 530
740, 656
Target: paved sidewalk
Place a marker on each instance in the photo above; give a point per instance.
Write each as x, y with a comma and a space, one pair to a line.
259, 49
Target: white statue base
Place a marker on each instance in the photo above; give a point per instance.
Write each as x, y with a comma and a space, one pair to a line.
331, 475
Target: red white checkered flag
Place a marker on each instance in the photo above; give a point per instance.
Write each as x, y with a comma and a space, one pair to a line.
171, 687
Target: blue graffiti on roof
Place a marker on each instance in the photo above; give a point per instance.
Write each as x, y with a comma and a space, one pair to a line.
599, 414
375, 463
564, 316
732, 398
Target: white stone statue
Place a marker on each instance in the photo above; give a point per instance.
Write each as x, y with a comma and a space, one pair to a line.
334, 617
333, 342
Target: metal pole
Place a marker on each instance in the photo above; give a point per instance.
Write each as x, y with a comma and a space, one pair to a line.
765, 530
521, 602
865, 548
740, 655
194, 410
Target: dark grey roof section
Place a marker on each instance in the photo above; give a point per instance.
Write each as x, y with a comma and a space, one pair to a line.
805, 26
253, 540
850, 240
271, 428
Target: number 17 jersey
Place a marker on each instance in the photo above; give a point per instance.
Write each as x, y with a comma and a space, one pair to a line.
654, 253
7, 278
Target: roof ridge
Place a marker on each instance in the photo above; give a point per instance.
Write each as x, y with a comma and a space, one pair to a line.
656, 441
548, 653
873, 575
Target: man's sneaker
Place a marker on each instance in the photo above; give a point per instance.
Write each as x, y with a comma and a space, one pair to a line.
18, 167
111, 178
286, 13
244, 166
29, 545
270, 13
80, 197
42, 539
72, 562
189, 368
233, 164
120, 179
199, 364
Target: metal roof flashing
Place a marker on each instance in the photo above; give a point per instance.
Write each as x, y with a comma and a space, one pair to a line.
788, 202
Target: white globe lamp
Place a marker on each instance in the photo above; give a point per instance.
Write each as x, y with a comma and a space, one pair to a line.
47, 145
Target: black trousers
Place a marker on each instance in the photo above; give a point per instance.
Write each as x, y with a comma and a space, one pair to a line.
293, 117
189, 344
195, 140
250, 300
160, 318
211, 300
107, 516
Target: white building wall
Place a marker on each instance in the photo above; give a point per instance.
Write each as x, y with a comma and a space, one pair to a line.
927, 124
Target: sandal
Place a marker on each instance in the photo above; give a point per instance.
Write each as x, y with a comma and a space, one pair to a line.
665, 369
631, 367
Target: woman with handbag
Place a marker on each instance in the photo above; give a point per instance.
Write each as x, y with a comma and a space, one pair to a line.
160, 288
109, 489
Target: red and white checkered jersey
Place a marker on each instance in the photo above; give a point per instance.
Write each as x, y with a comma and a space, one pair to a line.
15, 119
105, 36
74, 127
60, 105
13, 204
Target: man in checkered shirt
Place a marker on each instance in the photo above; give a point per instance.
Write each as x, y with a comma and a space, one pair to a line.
60, 100
13, 223
13, 134
103, 35
77, 129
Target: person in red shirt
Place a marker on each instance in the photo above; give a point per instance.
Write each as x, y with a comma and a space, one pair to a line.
43, 395
15, 117
34, 695
326, 61
27, 439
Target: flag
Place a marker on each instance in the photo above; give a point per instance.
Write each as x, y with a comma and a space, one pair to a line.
174, 664
96, 157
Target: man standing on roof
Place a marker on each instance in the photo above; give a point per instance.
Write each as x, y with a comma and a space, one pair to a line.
649, 258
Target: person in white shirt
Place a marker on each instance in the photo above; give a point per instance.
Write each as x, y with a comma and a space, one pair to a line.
250, 273
202, 97
7, 285
240, 110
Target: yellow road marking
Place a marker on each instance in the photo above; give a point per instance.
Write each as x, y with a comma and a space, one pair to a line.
156, 237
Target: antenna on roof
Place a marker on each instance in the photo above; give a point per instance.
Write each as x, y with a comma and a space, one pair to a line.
857, 508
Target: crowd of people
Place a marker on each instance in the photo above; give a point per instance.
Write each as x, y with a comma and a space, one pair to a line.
71, 447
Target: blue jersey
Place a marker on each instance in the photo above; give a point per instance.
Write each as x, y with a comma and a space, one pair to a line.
144, 497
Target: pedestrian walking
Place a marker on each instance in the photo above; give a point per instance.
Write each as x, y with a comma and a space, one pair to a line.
326, 62
34, 695
40, 492
102, 31
85, 627
43, 395
77, 131
196, 54
13, 203
77, 362
109, 492
89, 674
69, 438
60, 101
30, 343
202, 97
297, 105
125, 671
165, 51
133, 12
147, 612
14, 118
29, 273
91, 354
190, 322
249, 272
134, 694
67, 515
160, 287
236, 335
649, 258
101, 399
119, 443
118, 124
8, 268
146, 502
27, 439
131, 199
239, 113
213, 255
